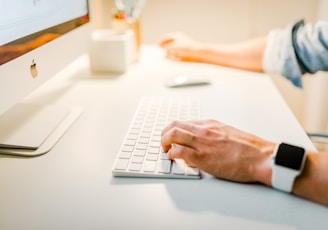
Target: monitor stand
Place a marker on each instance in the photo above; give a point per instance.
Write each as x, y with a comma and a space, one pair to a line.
32, 130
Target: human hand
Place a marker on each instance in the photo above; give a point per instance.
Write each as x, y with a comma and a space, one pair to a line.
219, 149
179, 46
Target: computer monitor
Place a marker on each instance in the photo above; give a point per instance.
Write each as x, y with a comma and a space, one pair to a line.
38, 38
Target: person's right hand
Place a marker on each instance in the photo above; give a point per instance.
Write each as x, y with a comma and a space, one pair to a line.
219, 149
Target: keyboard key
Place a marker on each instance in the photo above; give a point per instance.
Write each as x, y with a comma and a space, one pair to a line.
130, 143
137, 159
192, 171
178, 167
127, 148
149, 166
135, 167
152, 157
125, 155
121, 164
153, 150
139, 152
164, 166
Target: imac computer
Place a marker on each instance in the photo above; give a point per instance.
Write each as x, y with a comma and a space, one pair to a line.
38, 38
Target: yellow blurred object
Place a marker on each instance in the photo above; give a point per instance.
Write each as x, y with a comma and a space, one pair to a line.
121, 23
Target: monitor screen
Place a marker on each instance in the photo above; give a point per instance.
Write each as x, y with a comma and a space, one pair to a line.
38, 38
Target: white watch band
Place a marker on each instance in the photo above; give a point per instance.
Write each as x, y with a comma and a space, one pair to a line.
283, 178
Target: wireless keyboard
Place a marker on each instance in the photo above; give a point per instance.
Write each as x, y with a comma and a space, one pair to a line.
141, 154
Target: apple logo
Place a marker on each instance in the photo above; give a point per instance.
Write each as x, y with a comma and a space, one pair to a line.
33, 69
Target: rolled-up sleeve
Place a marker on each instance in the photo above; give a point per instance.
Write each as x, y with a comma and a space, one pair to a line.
298, 49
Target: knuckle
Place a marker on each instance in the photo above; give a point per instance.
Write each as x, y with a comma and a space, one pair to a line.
174, 132
179, 151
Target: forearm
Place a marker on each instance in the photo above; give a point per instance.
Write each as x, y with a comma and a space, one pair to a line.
313, 182
246, 55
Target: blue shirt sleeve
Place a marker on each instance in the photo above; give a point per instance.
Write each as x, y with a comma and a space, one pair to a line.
303, 49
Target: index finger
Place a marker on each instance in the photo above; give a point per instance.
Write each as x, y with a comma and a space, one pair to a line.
177, 132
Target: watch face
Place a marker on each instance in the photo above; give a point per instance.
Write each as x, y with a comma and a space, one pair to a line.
290, 156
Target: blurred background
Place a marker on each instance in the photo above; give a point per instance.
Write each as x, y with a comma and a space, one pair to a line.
236, 20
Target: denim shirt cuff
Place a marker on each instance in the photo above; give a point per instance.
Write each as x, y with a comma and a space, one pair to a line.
280, 57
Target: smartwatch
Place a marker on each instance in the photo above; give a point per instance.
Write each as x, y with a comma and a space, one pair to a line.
287, 163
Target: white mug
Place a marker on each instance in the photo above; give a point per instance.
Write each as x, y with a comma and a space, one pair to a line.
111, 51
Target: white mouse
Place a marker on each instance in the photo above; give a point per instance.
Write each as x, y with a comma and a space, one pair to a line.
187, 79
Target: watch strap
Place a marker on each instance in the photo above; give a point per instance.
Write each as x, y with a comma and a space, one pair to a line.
283, 178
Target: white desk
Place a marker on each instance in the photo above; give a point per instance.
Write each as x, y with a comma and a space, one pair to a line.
71, 187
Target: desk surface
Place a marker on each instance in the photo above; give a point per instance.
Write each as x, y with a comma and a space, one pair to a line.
71, 187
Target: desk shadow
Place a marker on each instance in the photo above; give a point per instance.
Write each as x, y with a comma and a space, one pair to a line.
85, 74
247, 201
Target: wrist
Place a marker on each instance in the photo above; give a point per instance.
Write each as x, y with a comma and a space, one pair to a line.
263, 172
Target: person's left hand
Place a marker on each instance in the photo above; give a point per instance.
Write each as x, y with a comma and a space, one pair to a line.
179, 46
